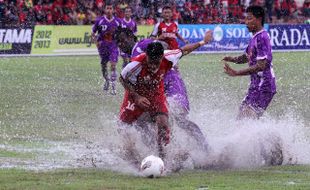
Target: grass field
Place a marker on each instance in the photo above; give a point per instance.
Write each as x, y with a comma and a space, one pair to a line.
53, 114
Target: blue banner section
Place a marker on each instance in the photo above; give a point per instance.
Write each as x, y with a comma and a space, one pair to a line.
290, 37
235, 37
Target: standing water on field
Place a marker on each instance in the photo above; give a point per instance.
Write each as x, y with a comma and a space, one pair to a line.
54, 115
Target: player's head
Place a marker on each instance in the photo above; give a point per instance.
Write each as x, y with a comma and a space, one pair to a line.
167, 13
154, 56
255, 18
108, 9
125, 39
128, 12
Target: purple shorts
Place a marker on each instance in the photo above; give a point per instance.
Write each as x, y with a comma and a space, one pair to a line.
175, 88
258, 101
108, 51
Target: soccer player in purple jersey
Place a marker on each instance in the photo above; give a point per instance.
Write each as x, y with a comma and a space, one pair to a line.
258, 54
128, 22
105, 27
175, 91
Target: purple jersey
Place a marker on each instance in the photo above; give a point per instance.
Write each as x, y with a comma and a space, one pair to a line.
262, 87
106, 28
140, 47
131, 25
259, 48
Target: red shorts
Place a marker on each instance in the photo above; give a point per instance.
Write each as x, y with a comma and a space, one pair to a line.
130, 112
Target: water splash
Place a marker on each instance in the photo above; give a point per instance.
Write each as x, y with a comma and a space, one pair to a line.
232, 143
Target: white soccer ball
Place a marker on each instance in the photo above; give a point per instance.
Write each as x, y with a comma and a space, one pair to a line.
152, 166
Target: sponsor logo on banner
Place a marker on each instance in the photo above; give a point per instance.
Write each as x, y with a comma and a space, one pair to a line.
234, 37
290, 36
218, 33
15, 40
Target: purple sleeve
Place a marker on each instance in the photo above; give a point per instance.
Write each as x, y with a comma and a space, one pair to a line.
95, 26
263, 47
140, 47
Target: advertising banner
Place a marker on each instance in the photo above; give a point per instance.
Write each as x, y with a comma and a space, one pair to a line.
62, 40
15, 40
144, 31
76, 40
226, 38
73, 40
230, 38
290, 37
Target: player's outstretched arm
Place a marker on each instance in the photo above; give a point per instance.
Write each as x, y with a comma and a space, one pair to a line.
238, 60
191, 47
260, 66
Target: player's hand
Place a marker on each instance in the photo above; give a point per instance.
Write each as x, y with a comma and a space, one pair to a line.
228, 70
228, 59
142, 102
208, 36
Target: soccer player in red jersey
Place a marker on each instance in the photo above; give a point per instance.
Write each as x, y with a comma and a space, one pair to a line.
142, 79
167, 30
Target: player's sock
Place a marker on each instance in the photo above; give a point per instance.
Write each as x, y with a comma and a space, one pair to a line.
113, 84
113, 89
106, 85
105, 75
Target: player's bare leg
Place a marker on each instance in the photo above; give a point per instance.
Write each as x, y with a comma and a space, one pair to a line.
162, 123
113, 78
246, 111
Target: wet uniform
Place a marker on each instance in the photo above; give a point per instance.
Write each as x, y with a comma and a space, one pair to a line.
173, 84
147, 84
263, 85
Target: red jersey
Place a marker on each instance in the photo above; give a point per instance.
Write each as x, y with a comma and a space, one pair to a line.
169, 32
147, 84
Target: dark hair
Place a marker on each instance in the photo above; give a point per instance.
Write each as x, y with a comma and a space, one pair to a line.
258, 12
154, 50
167, 7
108, 3
126, 31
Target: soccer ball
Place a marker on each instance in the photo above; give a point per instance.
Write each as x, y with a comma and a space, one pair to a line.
152, 166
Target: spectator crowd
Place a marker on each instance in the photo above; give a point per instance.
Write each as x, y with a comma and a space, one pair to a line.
79, 12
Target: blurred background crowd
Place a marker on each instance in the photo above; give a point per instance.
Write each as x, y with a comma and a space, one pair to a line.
147, 12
